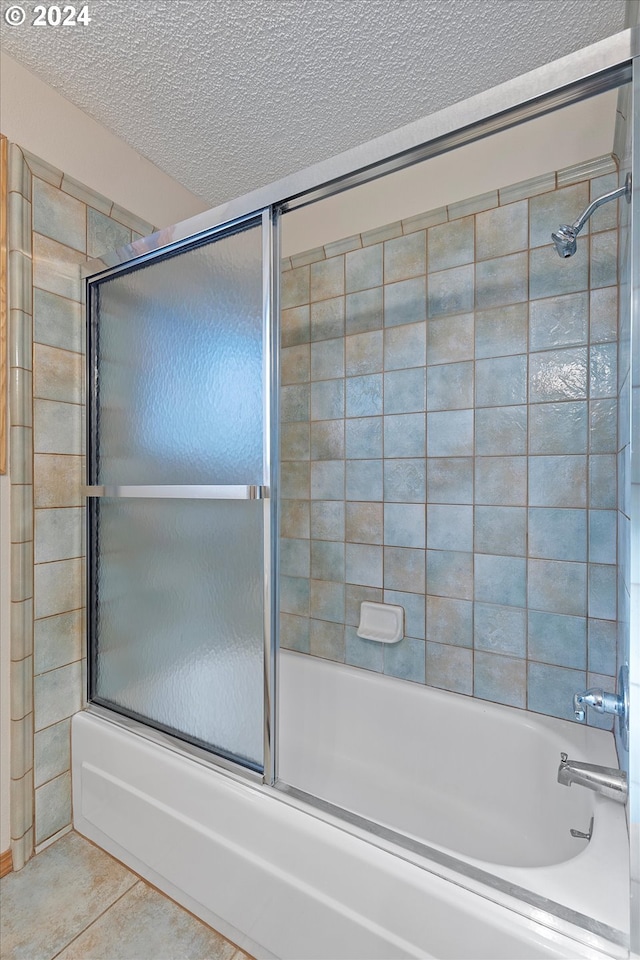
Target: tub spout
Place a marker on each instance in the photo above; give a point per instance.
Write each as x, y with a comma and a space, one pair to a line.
607, 781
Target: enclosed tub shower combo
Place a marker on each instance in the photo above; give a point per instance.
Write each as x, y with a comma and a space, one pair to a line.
362, 643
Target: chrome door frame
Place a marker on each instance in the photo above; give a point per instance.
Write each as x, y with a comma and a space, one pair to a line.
585, 73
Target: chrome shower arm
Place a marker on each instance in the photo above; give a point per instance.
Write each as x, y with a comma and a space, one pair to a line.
624, 191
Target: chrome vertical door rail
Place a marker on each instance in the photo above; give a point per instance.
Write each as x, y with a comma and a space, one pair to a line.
634, 624
271, 380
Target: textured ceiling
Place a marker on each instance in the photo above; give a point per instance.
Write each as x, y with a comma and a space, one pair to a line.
227, 95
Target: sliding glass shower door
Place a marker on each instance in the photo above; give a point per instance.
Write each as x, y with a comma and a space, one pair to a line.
178, 496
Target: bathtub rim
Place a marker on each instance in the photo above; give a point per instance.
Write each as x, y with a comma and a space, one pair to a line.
593, 933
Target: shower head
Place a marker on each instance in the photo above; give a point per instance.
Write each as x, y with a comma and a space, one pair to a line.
565, 240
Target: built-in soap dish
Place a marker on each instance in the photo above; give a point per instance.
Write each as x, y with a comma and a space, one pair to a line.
383, 622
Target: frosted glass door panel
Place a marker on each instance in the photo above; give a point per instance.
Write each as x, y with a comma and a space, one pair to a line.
180, 354
179, 618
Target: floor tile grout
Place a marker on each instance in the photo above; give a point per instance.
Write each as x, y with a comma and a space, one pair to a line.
95, 919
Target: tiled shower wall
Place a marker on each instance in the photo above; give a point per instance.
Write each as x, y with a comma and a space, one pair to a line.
449, 430
55, 224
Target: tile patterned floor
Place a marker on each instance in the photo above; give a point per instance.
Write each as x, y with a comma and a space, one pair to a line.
75, 902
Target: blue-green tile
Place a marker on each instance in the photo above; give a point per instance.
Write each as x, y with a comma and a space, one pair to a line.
405, 257
602, 536
604, 259
295, 287
405, 391
557, 428
450, 621
404, 481
294, 403
450, 574
450, 386
501, 430
326, 601
404, 524
450, 339
364, 479
558, 375
602, 646
450, 527
327, 519
364, 268
602, 481
405, 659
363, 438
602, 591
557, 481
501, 481
364, 353
556, 534
559, 322
364, 564
404, 435
450, 433
405, 346
294, 480
502, 231
327, 359
500, 580
363, 653
499, 629
327, 319
603, 426
294, 557
327, 440
500, 679
451, 291
550, 689
450, 479
553, 276
364, 395
549, 210
557, 639
327, 560
364, 311
558, 586
449, 667
327, 640
413, 606
501, 530
364, 522
327, 400
294, 633
404, 569
327, 480
501, 281
501, 331
603, 314
451, 244
294, 595
603, 371
501, 381
327, 278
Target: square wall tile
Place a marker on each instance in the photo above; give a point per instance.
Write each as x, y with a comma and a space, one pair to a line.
450, 574
557, 481
52, 807
602, 481
327, 560
294, 440
556, 534
501, 430
294, 519
294, 633
58, 534
364, 268
327, 439
404, 569
58, 641
363, 438
364, 353
295, 480
294, 596
295, 364
327, 519
602, 538
364, 311
295, 326
364, 564
450, 668
295, 287
359, 652
58, 586
501, 530
364, 479
557, 428
404, 525
450, 386
327, 400
558, 375
451, 291
450, 480
603, 314
559, 321
405, 257
501, 381
327, 640
501, 331
549, 210
355, 594
604, 259
451, 244
364, 395
414, 611
405, 302
104, 233
327, 319
59, 216
327, 279
558, 587
501, 580
557, 639
450, 339
327, 359
52, 752
602, 591
500, 629
450, 621
405, 659
294, 557
57, 695
501, 481
294, 403
449, 527
602, 643
603, 371
364, 522
405, 391
501, 280
553, 276
550, 689
450, 433
405, 346
404, 481
404, 435
57, 427
502, 231
327, 480
500, 679
326, 601
603, 426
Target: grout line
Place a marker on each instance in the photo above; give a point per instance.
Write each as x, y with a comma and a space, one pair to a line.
100, 915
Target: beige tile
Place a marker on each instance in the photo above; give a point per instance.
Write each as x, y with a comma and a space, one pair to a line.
59, 892
146, 925
58, 640
19, 223
88, 196
56, 268
22, 570
21, 454
57, 374
52, 752
380, 234
130, 220
58, 480
57, 695
20, 401
20, 333
308, 256
20, 281
346, 245
21, 629
424, 220
21, 818
21, 688
19, 173
40, 168
21, 512
58, 587
59, 534
21, 746
58, 427
53, 807
59, 216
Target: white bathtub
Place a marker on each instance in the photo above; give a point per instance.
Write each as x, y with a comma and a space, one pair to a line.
474, 782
